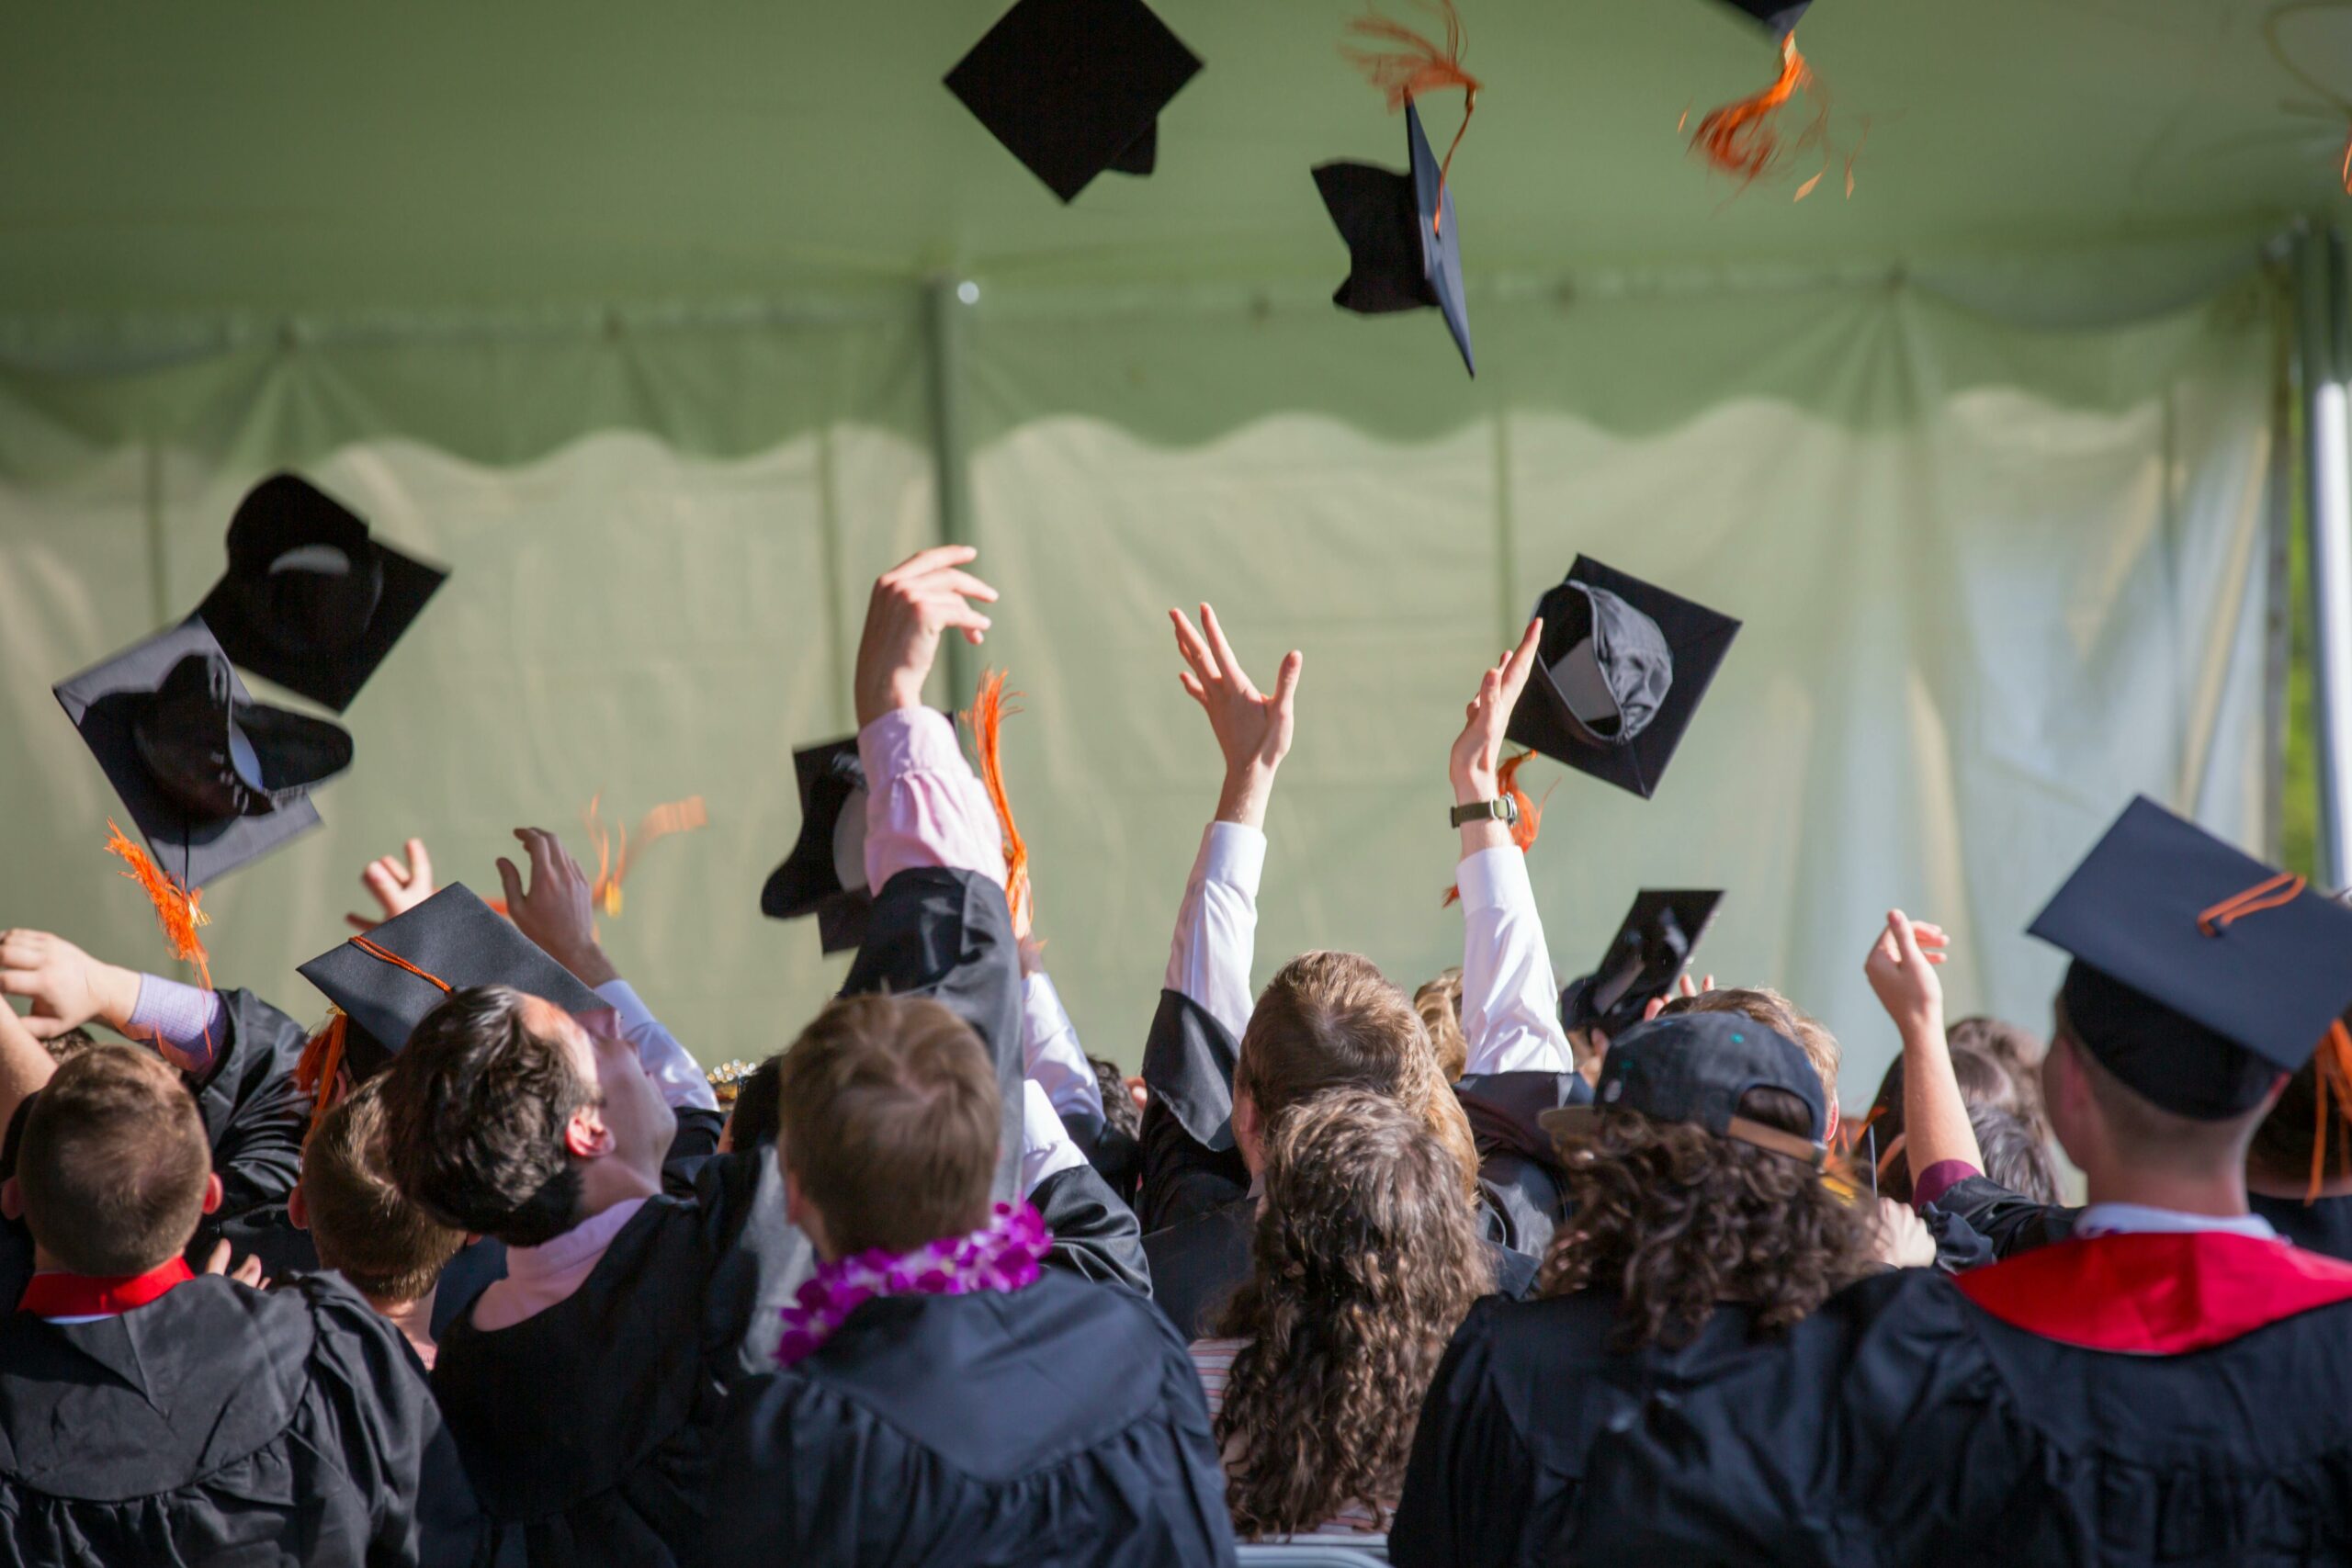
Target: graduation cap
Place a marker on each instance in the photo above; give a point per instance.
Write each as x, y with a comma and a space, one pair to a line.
1621, 671
1651, 949
1404, 245
1073, 87
310, 601
825, 874
384, 982
1778, 16
212, 779
2200, 973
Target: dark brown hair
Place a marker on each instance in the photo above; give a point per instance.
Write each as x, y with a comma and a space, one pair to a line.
1439, 1004
1364, 1262
475, 1108
391, 1251
758, 1113
889, 1122
1333, 1021
1985, 1083
1674, 1220
1775, 1013
113, 1162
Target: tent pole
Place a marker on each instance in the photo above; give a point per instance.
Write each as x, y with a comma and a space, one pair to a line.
945, 301
2327, 468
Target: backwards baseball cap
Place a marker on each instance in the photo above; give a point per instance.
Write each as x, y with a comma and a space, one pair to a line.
1696, 1068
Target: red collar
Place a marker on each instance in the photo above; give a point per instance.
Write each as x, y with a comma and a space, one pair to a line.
57, 1294
2157, 1294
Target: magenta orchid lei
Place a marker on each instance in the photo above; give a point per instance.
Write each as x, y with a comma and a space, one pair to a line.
1003, 1255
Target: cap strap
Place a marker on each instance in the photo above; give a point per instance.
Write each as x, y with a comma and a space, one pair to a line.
2269, 894
1804, 1151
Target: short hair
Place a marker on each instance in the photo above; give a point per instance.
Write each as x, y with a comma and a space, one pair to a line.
365, 1228
756, 1118
2014, 1154
1333, 1021
113, 1163
475, 1108
2019, 1051
890, 1122
1120, 1112
1774, 1011
70, 1043
2147, 1135
1439, 1004
1986, 1084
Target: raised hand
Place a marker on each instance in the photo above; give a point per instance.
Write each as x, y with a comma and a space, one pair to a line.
1477, 751
1902, 972
1252, 729
397, 885
68, 987
913, 602
558, 910
1656, 1005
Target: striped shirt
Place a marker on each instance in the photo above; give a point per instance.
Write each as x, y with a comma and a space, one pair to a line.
1213, 1360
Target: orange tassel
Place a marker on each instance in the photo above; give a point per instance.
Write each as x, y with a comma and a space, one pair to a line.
2346, 170
1530, 815
1415, 67
1739, 138
318, 1073
611, 866
176, 907
2333, 1071
987, 718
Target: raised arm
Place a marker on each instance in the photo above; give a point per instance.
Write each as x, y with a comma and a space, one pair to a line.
1510, 1001
1936, 1131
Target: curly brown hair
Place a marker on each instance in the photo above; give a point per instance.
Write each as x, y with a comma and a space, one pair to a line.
1365, 1261
1675, 1220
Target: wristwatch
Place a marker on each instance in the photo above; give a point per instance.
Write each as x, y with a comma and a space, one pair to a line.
1505, 810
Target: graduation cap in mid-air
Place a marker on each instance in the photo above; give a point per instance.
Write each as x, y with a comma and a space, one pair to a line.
213, 779
1404, 245
1780, 17
1620, 672
1649, 952
1073, 87
383, 983
2199, 974
310, 601
825, 874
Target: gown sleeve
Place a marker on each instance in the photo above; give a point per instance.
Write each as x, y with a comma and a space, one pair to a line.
2008, 1222
1095, 1235
253, 1115
1469, 1481
1190, 1163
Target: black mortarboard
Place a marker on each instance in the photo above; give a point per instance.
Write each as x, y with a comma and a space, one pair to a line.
2200, 973
1696, 1068
1779, 17
1652, 947
212, 778
310, 601
456, 941
825, 874
1073, 87
1404, 246
1621, 671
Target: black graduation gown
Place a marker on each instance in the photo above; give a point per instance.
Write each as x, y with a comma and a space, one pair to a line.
219, 1424
1059, 1425
2012, 1223
1197, 1265
1517, 1162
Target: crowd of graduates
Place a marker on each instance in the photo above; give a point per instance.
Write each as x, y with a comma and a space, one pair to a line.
484, 1271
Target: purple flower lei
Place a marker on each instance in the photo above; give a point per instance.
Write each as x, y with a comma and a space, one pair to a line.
1003, 1255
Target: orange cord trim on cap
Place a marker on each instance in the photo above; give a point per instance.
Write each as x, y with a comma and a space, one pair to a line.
2271, 894
1530, 815
986, 717
1415, 67
612, 864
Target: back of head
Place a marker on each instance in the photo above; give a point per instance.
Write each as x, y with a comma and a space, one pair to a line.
759, 1110
391, 1251
2014, 1154
1674, 1220
1364, 1261
2019, 1052
1332, 1020
475, 1108
889, 1122
113, 1163
1775, 1013
1986, 1084
2133, 1133
1121, 1114
1440, 1005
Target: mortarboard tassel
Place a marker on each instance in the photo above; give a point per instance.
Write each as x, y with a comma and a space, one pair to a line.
1530, 815
1416, 67
987, 718
1742, 139
677, 816
176, 907
318, 1072
2333, 1070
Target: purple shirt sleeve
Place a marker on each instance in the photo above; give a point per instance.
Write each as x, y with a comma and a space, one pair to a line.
183, 1023
924, 806
1939, 1178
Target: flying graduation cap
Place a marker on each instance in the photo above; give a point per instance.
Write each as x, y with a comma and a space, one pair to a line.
309, 600
1073, 87
1649, 952
825, 874
1620, 672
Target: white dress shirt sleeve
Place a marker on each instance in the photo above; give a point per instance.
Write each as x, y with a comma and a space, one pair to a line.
923, 805
680, 1075
1510, 1004
1051, 1056
1046, 1147
1217, 926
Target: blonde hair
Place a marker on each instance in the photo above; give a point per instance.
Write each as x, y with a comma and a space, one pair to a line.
1439, 1004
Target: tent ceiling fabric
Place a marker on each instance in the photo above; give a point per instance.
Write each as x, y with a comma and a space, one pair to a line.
257, 153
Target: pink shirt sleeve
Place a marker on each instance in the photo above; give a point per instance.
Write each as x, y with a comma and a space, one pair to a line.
924, 806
